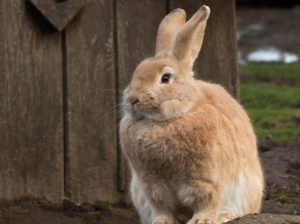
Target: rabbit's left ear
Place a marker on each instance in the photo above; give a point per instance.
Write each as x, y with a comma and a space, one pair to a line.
167, 32
189, 40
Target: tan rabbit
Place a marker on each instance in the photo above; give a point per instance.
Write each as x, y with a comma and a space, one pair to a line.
190, 146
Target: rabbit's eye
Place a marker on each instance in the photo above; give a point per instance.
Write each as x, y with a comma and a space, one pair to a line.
165, 78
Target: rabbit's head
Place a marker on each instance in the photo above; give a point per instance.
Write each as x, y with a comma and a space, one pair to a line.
163, 87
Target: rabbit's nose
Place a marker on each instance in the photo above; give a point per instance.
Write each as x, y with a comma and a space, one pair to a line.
133, 100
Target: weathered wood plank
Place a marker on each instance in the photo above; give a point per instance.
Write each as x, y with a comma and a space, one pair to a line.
217, 61
137, 26
59, 12
31, 143
92, 154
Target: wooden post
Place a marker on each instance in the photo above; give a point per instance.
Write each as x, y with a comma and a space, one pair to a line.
137, 25
91, 143
58, 122
31, 138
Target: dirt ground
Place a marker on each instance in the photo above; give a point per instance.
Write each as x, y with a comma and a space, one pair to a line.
281, 162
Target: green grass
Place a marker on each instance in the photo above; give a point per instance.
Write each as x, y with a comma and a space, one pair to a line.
277, 72
281, 195
248, 32
271, 95
89, 217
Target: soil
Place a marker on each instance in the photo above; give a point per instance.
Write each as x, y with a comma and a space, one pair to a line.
281, 162
29, 211
267, 219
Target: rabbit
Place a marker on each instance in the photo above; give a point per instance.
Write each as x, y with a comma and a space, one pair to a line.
190, 146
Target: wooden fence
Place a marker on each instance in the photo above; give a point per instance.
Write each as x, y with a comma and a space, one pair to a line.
58, 134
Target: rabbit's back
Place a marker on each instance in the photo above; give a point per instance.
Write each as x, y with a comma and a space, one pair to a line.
241, 169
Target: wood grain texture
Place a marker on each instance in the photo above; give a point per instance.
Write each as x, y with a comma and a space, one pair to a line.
59, 13
137, 26
95, 58
92, 154
217, 61
31, 143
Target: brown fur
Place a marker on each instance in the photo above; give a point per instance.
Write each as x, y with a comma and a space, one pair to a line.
189, 144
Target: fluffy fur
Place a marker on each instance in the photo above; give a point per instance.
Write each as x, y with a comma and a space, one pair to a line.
190, 146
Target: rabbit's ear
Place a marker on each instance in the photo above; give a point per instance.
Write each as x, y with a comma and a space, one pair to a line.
189, 40
168, 31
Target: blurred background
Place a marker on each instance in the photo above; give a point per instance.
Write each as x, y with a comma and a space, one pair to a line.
268, 34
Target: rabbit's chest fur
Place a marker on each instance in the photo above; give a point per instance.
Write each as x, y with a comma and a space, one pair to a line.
175, 150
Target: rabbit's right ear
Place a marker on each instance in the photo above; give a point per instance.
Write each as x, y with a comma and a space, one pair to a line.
189, 39
168, 31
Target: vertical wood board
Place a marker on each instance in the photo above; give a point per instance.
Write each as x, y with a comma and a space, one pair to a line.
217, 61
137, 26
31, 146
34, 60
92, 154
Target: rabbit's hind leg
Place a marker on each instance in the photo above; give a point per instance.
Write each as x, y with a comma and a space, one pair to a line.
140, 201
151, 213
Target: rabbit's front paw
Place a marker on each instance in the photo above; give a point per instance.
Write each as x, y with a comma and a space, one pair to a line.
163, 221
200, 220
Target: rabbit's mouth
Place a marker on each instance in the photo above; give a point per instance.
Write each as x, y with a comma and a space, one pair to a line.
141, 110
163, 112
148, 105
